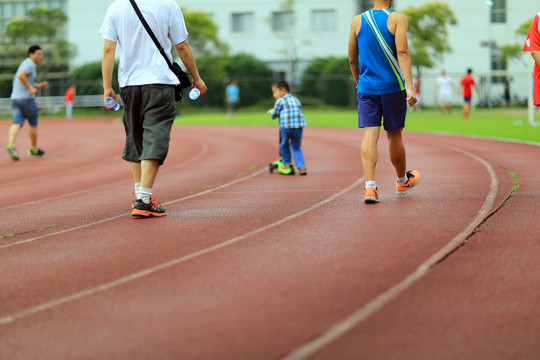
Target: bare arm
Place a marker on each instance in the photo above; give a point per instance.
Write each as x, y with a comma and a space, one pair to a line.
536, 56
404, 58
107, 67
23, 77
186, 55
353, 47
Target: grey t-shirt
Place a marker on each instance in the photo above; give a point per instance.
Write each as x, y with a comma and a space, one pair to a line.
19, 90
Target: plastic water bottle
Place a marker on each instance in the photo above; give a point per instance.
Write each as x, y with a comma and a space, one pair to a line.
110, 102
194, 93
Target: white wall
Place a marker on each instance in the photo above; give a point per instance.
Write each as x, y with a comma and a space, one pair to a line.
465, 38
85, 19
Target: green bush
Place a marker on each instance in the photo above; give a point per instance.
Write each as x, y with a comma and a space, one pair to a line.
88, 79
334, 84
254, 77
311, 77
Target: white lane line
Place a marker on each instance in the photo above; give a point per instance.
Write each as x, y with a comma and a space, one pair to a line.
349, 322
76, 296
126, 214
203, 152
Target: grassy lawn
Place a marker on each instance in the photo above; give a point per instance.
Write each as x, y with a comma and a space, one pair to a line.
502, 123
508, 123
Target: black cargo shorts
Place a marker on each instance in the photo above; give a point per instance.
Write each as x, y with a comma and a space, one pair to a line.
149, 113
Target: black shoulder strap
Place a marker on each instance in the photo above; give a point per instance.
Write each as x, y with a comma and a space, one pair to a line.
149, 31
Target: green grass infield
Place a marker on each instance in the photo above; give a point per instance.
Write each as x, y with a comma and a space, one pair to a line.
508, 123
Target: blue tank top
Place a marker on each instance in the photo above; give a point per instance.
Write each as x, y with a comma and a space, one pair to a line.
379, 69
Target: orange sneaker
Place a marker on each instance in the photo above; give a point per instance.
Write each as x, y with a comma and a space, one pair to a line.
153, 208
414, 179
370, 195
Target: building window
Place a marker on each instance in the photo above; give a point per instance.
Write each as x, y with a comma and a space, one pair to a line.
497, 65
283, 21
243, 22
323, 20
498, 11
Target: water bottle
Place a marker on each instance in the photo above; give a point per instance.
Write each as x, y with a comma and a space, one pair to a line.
110, 102
194, 93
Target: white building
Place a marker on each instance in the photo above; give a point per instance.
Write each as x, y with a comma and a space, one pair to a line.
316, 28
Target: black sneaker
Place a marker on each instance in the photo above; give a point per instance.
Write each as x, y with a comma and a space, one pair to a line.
153, 208
37, 152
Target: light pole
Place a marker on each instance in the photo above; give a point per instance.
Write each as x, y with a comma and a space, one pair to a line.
490, 44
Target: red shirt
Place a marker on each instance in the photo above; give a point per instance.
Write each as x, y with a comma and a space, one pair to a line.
533, 44
70, 95
467, 81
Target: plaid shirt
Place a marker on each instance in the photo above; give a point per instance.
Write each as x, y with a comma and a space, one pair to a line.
289, 110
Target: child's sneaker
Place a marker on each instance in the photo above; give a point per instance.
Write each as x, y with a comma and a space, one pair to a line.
37, 152
13, 154
153, 208
302, 170
414, 179
370, 195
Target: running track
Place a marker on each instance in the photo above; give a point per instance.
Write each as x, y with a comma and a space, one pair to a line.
249, 265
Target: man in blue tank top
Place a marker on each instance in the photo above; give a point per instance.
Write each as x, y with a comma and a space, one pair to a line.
381, 66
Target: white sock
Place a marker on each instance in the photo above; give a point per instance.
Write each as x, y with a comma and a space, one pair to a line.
403, 180
137, 187
371, 184
144, 194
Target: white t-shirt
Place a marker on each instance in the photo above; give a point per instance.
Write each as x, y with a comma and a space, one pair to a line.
445, 85
141, 63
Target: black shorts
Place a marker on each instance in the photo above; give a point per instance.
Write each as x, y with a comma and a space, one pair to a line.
149, 113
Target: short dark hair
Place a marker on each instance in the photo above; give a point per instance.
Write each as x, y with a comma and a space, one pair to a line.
283, 85
32, 49
469, 71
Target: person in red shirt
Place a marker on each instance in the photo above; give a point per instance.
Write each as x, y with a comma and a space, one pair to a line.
416, 86
69, 98
467, 82
532, 44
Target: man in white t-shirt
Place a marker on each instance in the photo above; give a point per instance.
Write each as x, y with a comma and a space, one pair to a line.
446, 86
146, 86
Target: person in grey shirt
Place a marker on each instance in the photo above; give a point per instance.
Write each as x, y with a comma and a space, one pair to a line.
23, 102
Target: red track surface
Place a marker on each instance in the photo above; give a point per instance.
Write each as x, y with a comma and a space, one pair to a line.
249, 265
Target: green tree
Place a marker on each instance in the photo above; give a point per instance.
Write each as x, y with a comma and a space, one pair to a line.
327, 80
428, 32
203, 33
39, 25
42, 26
88, 78
253, 75
515, 51
212, 69
311, 77
334, 85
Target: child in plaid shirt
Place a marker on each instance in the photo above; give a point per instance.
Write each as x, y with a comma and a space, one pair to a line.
291, 124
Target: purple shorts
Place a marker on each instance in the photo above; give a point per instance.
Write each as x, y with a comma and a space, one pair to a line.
373, 108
